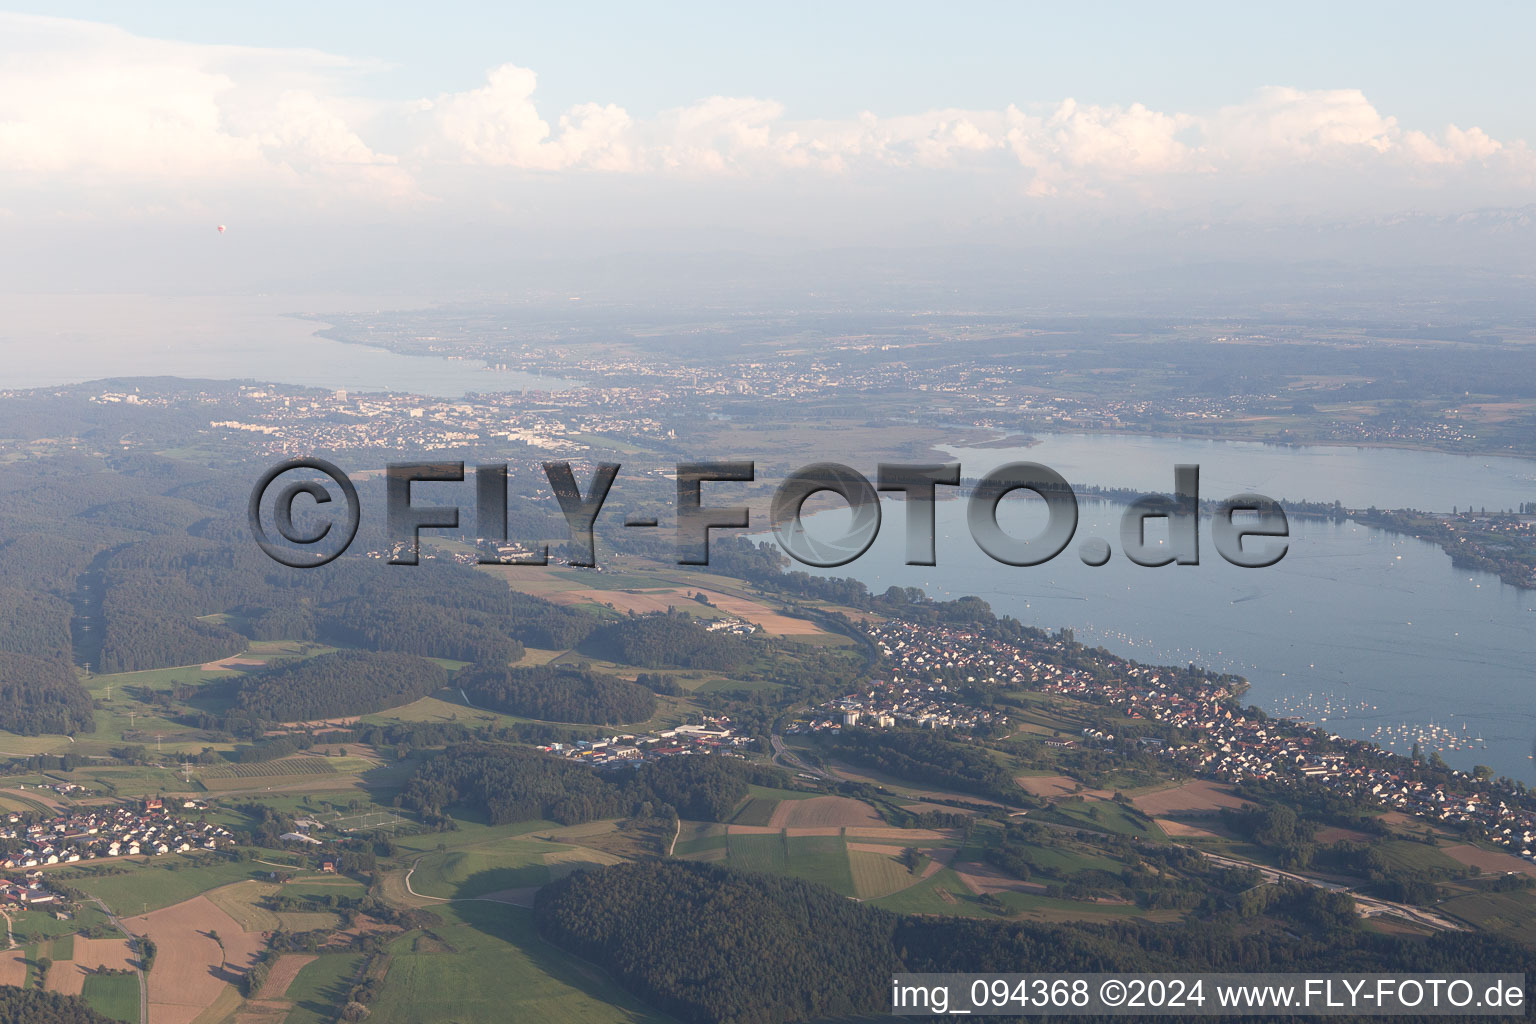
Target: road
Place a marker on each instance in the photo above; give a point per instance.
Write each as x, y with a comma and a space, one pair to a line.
781, 752
143, 981
1369, 906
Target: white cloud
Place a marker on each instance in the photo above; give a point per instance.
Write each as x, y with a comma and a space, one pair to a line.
94, 108
94, 105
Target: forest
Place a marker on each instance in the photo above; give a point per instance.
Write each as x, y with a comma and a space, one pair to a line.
558, 694
667, 640
706, 945
762, 949
35, 1006
507, 784
42, 695
336, 684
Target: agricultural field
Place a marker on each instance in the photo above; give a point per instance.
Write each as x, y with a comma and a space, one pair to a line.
766, 852
29, 926
1509, 913
510, 864
151, 885
1105, 816
202, 952
490, 964
822, 859
1412, 856
320, 987
878, 871
242, 902
113, 995
942, 893
756, 811
299, 765
811, 811
700, 841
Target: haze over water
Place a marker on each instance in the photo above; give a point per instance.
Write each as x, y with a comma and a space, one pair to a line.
46, 341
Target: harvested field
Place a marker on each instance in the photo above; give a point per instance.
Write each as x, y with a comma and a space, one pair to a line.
1491, 861
13, 967
938, 859
1048, 787
231, 663
661, 600
66, 977
984, 878
1195, 796
191, 972
822, 811
1179, 830
38, 796
877, 872
240, 901
110, 953
905, 836
768, 830
282, 974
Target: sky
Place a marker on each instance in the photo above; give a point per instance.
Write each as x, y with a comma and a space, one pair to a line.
574, 131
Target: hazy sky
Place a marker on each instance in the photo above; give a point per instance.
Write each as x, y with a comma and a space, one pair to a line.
630, 126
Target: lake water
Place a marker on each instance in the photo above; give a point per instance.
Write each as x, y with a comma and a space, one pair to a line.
1370, 634
47, 341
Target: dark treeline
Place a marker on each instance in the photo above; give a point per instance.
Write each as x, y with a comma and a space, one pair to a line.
509, 784
929, 757
667, 640
342, 683
42, 695
34, 623
140, 635
539, 623
759, 949
414, 625
184, 561
559, 694
35, 1006
707, 946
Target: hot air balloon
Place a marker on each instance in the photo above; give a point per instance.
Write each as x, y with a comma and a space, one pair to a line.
221, 229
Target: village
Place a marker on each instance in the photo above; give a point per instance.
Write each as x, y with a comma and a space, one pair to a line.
712, 736
885, 705
1226, 741
88, 834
